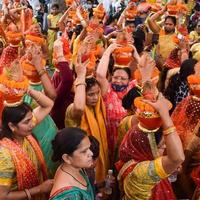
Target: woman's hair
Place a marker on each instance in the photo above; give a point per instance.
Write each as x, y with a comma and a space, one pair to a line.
56, 6
13, 115
90, 82
94, 147
187, 68
172, 18
126, 69
139, 39
128, 99
67, 141
78, 29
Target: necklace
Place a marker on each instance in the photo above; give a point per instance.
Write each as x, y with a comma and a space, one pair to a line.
73, 177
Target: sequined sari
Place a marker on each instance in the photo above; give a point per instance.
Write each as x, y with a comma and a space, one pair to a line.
141, 170
185, 117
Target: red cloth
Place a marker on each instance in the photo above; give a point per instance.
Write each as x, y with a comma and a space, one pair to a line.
9, 54
1, 106
62, 81
173, 60
185, 118
135, 145
114, 113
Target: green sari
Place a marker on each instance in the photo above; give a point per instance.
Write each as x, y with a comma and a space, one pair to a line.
44, 132
74, 193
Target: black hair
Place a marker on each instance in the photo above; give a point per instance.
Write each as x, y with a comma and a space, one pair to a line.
172, 18
128, 99
128, 22
90, 82
94, 147
78, 29
67, 141
126, 69
186, 69
139, 39
13, 115
55, 6
1, 44
197, 7
110, 19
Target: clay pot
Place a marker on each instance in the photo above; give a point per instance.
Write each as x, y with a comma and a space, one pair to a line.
30, 71
172, 9
150, 122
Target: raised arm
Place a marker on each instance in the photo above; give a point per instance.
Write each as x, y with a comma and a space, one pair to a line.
122, 16
45, 79
79, 15
175, 155
45, 104
65, 82
80, 90
146, 65
152, 21
62, 19
102, 69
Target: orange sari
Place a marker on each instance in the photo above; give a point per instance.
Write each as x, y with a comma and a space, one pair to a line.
26, 171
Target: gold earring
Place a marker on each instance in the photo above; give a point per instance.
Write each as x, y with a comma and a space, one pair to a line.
13, 130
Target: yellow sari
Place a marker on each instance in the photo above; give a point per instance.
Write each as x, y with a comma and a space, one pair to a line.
93, 122
51, 33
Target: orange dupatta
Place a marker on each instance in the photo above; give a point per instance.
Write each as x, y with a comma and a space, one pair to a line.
26, 172
93, 122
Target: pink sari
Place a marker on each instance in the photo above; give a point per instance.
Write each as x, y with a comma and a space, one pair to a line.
114, 114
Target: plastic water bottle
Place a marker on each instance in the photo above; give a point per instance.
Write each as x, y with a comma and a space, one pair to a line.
109, 182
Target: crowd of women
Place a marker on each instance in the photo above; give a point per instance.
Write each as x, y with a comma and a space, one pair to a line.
108, 87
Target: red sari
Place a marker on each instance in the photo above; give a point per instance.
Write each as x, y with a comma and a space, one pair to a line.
135, 146
185, 117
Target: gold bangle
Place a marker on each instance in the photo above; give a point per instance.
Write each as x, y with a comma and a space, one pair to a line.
169, 130
28, 194
39, 96
42, 72
80, 84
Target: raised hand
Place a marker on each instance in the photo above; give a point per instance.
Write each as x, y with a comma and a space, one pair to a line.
35, 54
162, 105
58, 47
112, 47
146, 65
80, 66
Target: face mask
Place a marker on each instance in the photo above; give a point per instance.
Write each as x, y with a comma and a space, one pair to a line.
119, 88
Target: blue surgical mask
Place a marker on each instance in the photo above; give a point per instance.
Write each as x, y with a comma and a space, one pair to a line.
118, 88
